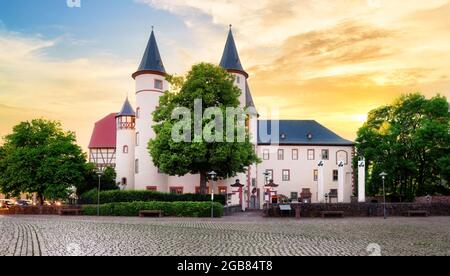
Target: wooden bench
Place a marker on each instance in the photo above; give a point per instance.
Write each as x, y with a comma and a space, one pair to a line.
151, 213
332, 214
69, 212
417, 213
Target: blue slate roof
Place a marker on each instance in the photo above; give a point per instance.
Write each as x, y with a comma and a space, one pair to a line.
299, 132
152, 59
230, 58
127, 109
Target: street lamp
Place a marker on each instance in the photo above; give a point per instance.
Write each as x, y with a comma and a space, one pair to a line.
212, 176
99, 174
383, 176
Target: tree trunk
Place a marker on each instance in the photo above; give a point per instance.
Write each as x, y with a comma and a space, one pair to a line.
203, 182
40, 199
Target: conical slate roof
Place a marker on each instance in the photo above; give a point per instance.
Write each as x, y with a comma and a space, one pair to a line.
152, 59
230, 58
127, 109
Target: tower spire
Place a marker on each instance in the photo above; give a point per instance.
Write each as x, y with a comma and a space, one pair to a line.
127, 109
230, 58
151, 61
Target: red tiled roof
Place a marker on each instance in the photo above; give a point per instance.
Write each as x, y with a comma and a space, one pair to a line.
104, 134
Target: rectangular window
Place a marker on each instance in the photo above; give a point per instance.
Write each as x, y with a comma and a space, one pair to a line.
335, 175
316, 175
286, 175
294, 196
136, 166
223, 190
325, 154
152, 188
176, 190
280, 154
238, 79
125, 149
137, 138
311, 154
159, 84
197, 190
295, 154
269, 176
266, 154
138, 112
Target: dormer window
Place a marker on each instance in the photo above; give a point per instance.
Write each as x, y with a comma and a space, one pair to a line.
309, 136
283, 136
159, 84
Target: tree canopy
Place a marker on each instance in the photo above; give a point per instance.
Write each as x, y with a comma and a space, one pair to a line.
410, 141
215, 87
39, 157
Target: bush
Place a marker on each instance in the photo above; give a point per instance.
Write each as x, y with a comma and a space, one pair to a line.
178, 209
144, 196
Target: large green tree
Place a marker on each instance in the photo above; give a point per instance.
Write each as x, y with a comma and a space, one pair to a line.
215, 87
39, 157
410, 141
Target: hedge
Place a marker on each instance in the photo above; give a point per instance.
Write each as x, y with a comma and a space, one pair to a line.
144, 196
177, 209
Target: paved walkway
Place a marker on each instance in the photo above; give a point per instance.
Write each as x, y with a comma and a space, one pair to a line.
245, 234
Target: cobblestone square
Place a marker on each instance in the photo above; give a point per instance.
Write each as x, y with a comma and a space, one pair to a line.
241, 235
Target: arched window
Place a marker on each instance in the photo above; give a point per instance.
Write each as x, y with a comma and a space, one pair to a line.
137, 138
124, 181
138, 112
125, 149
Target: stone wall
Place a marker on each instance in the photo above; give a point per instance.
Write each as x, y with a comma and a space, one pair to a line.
364, 209
433, 199
231, 209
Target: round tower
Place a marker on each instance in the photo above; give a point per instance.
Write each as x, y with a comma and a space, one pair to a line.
125, 122
231, 62
151, 83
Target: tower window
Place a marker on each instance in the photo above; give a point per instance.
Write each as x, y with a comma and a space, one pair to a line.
138, 112
137, 139
125, 149
136, 166
238, 79
159, 84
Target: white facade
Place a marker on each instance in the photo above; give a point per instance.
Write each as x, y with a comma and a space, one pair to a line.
299, 170
125, 139
148, 93
303, 172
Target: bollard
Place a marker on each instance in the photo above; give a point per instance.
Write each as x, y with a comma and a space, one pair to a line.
297, 213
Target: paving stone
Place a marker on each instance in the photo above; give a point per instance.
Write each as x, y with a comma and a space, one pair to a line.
241, 235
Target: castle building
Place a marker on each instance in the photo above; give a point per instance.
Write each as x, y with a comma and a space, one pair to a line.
306, 162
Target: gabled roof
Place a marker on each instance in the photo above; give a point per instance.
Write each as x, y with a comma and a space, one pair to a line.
230, 58
299, 132
104, 134
151, 61
127, 109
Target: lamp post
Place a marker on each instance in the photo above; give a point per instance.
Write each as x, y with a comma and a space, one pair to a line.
212, 176
383, 176
99, 174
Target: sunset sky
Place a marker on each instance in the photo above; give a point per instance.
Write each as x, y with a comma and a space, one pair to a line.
332, 61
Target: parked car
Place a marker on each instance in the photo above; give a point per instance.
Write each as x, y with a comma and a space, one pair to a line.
23, 203
6, 203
